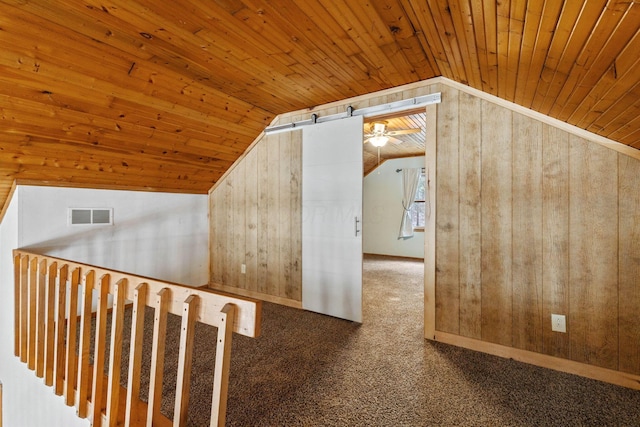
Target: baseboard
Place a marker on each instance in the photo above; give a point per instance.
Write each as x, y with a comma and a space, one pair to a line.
545, 361
398, 257
256, 295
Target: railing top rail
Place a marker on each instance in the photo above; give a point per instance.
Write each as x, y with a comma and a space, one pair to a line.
248, 311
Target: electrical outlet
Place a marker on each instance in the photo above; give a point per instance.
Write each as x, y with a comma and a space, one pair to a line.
558, 323
243, 268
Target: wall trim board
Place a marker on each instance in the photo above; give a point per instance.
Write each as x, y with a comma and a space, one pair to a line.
430, 225
545, 361
397, 257
7, 202
255, 295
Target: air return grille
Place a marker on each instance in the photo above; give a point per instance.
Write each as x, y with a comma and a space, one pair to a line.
89, 216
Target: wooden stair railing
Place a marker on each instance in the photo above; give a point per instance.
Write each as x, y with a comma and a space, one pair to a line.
46, 291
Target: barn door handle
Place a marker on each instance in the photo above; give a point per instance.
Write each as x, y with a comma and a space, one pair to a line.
357, 221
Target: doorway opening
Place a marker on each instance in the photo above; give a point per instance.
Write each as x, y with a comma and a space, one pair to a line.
384, 253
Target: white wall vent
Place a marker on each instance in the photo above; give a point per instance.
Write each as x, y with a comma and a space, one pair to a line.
88, 216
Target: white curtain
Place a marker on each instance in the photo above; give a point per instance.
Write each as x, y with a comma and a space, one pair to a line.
410, 179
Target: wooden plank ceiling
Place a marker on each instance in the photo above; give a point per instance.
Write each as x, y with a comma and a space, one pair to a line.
402, 145
165, 95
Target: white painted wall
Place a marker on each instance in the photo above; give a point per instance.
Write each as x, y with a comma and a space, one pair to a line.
160, 235
27, 401
382, 211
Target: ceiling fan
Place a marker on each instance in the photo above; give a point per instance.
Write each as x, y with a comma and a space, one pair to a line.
378, 134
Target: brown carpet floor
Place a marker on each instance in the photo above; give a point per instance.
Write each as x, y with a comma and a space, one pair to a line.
313, 370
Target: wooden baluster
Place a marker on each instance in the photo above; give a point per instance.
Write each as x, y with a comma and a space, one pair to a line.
85, 341
117, 321
16, 304
50, 323
157, 353
72, 321
135, 354
24, 308
98, 355
41, 317
221, 371
33, 298
189, 311
60, 352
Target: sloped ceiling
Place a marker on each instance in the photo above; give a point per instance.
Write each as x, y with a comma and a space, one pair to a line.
402, 145
165, 95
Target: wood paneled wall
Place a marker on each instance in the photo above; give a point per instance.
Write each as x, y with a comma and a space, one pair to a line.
256, 209
255, 220
533, 220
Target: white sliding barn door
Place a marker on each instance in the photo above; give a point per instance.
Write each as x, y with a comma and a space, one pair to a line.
332, 218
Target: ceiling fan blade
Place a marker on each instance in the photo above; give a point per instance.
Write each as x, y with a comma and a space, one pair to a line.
395, 141
403, 131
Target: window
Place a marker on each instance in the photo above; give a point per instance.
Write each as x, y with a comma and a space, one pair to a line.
418, 208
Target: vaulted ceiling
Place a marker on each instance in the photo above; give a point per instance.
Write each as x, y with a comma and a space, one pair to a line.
165, 95
407, 144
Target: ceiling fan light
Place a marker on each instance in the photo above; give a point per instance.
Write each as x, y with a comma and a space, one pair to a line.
379, 127
378, 141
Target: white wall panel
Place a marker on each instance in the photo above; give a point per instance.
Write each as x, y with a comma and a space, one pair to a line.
382, 211
159, 235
